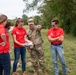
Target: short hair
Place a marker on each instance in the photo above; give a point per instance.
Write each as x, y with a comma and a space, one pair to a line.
56, 21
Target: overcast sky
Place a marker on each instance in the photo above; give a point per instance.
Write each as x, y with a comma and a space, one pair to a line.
14, 8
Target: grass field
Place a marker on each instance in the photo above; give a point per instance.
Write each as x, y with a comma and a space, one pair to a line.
69, 45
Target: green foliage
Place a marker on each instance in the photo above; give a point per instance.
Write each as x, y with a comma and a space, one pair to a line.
37, 20
33, 5
12, 21
73, 28
64, 10
25, 18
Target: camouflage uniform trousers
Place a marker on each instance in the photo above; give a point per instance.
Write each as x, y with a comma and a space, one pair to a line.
37, 56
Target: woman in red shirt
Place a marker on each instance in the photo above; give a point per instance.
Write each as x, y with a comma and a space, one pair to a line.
4, 47
19, 36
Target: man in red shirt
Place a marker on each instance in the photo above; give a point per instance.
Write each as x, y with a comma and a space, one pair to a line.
56, 37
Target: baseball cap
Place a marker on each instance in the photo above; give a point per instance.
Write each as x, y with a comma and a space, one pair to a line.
30, 21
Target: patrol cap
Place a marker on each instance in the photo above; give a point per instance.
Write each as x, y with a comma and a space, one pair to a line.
30, 21
2, 18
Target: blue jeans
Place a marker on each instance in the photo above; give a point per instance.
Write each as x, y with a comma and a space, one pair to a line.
5, 64
58, 51
17, 52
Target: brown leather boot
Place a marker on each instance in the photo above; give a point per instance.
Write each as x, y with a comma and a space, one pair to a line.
65, 74
35, 73
44, 72
24, 73
14, 73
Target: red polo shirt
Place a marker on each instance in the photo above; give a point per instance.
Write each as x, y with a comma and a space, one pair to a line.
55, 33
20, 34
4, 49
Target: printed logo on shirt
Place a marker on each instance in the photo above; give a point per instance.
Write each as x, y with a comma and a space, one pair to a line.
51, 34
17, 32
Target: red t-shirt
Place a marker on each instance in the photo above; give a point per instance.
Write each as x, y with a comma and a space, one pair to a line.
4, 49
55, 33
20, 34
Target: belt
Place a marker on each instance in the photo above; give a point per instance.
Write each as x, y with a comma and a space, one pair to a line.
57, 44
4, 53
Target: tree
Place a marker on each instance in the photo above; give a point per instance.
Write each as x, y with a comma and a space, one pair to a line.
13, 21
37, 20
64, 10
25, 18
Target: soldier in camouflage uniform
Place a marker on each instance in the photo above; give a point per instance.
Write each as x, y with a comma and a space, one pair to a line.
36, 52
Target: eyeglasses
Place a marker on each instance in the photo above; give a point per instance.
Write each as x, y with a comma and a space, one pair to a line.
53, 25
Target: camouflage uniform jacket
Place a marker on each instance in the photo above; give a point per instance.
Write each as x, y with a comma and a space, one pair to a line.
35, 36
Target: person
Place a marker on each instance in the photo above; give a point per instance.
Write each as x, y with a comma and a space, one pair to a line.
56, 37
4, 47
36, 51
19, 37
7, 26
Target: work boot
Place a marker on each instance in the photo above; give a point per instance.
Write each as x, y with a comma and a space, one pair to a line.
14, 73
24, 73
44, 72
35, 73
65, 74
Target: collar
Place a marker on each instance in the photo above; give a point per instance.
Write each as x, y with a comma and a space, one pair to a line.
18, 27
33, 28
55, 28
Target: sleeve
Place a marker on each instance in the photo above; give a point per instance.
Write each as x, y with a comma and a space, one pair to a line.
2, 31
62, 32
36, 28
27, 34
13, 32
